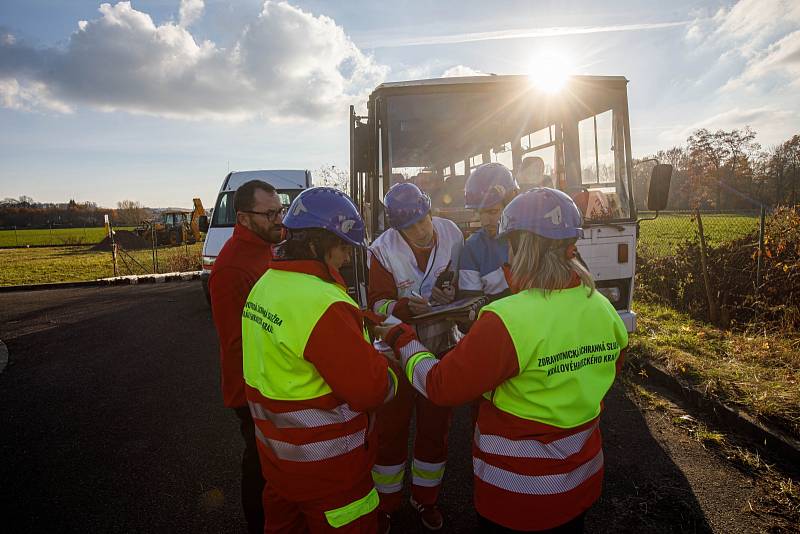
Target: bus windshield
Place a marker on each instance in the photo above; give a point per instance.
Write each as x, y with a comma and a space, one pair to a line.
435, 138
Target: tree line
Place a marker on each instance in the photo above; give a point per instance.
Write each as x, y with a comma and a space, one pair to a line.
726, 170
25, 212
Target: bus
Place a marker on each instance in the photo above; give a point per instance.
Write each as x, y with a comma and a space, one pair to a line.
577, 139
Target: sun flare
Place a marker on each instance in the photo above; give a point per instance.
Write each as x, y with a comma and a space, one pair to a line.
549, 71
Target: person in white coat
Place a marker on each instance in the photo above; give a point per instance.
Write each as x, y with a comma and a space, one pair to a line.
413, 265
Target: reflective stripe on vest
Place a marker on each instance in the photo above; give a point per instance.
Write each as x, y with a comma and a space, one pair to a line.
559, 449
384, 306
427, 474
309, 418
417, 361
276, 328
315, 450
388, 478
350, 512
567, 344
537, 484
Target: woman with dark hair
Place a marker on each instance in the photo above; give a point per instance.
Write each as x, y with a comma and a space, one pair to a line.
312, 376
541, 361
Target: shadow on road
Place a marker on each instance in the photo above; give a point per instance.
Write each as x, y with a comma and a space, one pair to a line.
112, 421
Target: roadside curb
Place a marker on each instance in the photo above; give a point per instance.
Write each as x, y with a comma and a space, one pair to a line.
3, 356
774, 440
114, 281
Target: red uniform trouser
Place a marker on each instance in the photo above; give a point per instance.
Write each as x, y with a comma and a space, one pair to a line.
295, 517
430, 447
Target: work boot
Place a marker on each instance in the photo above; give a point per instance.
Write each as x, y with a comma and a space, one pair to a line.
430, 515
384, 522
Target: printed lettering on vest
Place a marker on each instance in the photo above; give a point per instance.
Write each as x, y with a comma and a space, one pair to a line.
261, 316
595, 353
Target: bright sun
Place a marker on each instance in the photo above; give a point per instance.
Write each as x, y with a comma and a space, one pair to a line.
549, 71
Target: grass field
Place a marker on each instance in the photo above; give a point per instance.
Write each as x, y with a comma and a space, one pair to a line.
68, 264
757, 371
56, 236
663, 235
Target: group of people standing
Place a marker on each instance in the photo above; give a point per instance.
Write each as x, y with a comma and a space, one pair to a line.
326, 416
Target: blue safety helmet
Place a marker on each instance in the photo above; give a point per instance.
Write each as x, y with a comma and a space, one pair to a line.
543, 211
405, 205
329, 209
487, 185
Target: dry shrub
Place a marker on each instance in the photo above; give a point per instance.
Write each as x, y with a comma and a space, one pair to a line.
677, 280
181, 262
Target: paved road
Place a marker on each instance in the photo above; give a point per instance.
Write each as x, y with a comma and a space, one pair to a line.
111, 421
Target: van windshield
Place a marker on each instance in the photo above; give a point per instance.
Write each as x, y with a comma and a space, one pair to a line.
225, 215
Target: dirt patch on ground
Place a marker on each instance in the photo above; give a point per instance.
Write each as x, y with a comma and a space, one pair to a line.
125, 239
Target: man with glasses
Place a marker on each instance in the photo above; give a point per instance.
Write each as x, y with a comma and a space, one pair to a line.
241, 262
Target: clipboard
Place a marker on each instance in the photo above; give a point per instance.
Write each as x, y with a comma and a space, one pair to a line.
457, 307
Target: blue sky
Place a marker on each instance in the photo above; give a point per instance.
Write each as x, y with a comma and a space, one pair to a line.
155, 100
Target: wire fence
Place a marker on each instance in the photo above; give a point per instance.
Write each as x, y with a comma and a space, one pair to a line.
662, 236
52, 236
727, 281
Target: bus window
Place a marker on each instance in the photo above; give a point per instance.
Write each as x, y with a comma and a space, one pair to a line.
604, 196
538, 167
503, 155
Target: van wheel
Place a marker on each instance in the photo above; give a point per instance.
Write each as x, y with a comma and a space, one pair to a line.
204, 283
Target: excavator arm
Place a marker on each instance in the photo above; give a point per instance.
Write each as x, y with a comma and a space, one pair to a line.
196, 214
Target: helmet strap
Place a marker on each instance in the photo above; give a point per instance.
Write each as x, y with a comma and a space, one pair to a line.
571, 252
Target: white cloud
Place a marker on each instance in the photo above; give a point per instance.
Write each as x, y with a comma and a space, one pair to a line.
190, 11
28, 97
286, 64
461, 70
762, 33
781, 57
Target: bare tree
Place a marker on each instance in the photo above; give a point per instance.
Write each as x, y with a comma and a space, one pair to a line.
332, 176
130, 213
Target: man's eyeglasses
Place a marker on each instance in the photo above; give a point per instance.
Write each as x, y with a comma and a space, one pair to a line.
271, 215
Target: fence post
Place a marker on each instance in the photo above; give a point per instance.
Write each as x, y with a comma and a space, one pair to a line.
16, 237
760, 264
113, 248
153, 249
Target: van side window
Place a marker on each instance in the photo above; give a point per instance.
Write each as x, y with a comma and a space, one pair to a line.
224, 215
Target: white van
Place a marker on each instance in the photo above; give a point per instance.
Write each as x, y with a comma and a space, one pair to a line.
289, 183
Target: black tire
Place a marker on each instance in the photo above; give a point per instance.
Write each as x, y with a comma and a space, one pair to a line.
204, 283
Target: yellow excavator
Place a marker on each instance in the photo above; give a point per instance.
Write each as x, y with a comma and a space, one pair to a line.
175, 227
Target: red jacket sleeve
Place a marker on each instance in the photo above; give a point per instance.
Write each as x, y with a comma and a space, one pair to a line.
381, 286
483, 360
229, 288
354, 370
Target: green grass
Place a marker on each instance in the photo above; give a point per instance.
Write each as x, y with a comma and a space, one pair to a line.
759, 372
69, 264
663, 235
56, 236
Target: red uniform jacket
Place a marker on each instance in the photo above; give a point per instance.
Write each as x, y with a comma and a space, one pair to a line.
466, 373
360, 381
241, 262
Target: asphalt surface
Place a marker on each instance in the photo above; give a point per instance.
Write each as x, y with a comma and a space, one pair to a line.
111, 420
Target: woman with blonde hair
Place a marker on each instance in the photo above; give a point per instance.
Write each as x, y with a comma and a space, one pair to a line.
541, 360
